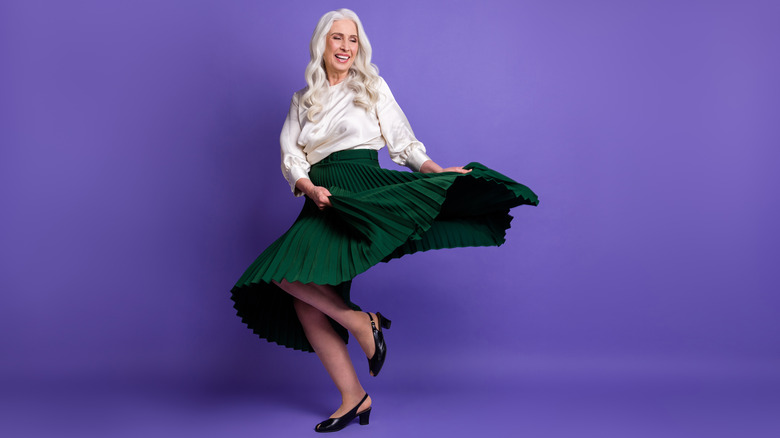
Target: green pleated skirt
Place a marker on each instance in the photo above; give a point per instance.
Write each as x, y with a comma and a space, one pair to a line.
376, 215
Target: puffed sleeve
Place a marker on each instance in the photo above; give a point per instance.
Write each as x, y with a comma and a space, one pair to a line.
401, 143
294, 163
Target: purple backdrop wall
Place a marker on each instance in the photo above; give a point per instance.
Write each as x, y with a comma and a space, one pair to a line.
139, 177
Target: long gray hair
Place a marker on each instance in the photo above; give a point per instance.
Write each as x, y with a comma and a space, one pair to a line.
363, 76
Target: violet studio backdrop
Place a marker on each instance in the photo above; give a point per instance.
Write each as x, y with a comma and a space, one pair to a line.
139, 177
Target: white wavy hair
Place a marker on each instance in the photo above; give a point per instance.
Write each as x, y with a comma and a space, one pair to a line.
363, 76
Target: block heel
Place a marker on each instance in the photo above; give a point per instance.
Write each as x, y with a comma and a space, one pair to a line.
364, 417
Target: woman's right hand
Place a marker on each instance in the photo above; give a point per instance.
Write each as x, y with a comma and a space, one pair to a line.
319, 195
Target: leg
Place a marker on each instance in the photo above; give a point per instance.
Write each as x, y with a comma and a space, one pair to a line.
325, 299
334, 356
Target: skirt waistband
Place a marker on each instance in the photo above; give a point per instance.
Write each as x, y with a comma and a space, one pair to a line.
351, 155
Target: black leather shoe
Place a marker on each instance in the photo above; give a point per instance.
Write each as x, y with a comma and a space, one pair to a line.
380, 352
336, 424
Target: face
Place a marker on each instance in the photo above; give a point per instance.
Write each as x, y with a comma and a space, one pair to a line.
341, 47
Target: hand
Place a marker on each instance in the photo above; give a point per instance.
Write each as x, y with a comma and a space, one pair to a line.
458, 169
319, 195
430, 166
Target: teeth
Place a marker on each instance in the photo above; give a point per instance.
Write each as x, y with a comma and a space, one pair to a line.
342, 57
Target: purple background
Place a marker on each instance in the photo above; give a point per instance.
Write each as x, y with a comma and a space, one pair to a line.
139, 176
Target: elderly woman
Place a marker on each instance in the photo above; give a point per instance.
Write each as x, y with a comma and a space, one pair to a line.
356, 214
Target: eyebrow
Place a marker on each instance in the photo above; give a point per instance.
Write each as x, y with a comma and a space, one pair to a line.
339, 33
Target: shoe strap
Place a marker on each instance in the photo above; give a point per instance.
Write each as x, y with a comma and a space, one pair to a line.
373, 326
355, 409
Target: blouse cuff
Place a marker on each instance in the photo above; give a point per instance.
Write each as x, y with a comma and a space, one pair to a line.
416, 158
293, 175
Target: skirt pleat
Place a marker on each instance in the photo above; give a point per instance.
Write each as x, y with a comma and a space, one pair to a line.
376, 215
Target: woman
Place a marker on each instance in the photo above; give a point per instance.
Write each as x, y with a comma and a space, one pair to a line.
356, 214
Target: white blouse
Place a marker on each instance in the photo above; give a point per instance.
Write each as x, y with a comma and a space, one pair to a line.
342, 126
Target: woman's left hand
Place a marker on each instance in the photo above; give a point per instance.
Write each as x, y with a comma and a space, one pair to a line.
431, 167
458, 169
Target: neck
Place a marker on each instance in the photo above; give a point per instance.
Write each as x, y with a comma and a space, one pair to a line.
335, 78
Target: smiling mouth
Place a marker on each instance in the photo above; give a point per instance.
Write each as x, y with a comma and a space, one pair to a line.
342, 57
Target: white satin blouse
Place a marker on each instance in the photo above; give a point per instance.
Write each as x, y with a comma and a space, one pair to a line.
343, 126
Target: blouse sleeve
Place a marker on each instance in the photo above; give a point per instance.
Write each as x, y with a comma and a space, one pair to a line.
294, 163
401, 143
